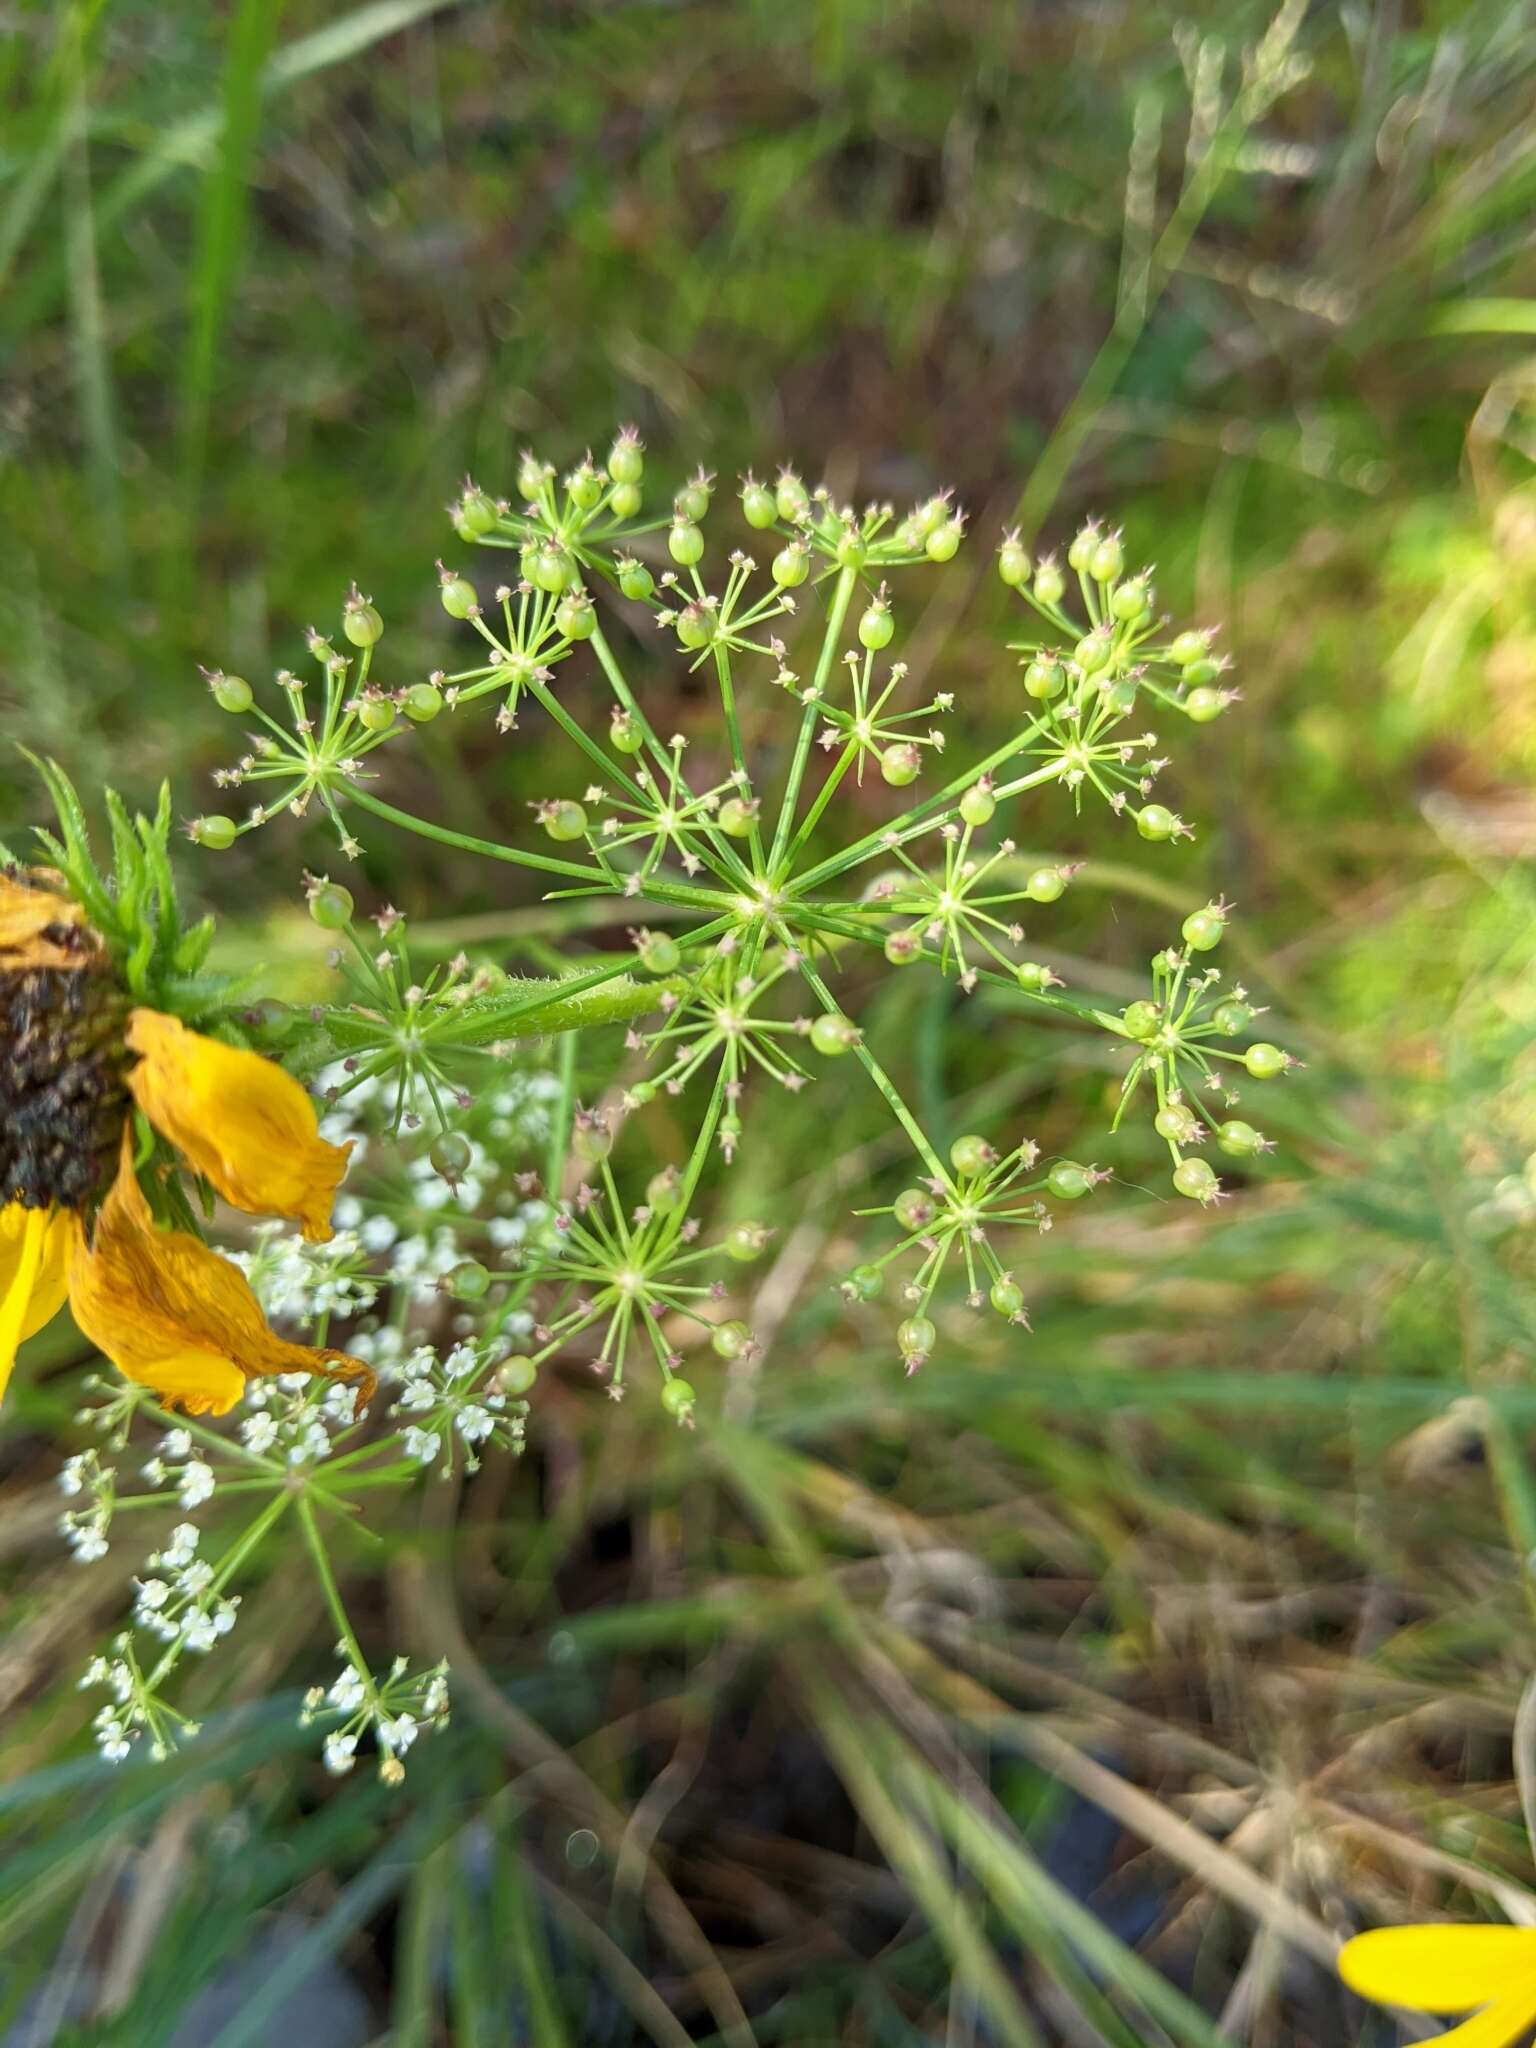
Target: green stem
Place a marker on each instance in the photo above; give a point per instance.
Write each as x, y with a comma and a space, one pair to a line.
489, 849
838, 612
882, 1081
824, 796
332, 1592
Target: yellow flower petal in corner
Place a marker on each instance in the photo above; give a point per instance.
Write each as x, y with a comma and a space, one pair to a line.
34, 1262
1444, 1969
242, 1122
173, 1315
39, 925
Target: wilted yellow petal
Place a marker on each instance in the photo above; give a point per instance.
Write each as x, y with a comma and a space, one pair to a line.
34, 1261
241, 1121
40, 925
173, 1315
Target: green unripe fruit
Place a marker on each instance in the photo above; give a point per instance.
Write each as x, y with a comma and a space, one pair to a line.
331, 907
1045, 678
1132, 600
876, 627
901, 763
361, 622
731, 1340
564, 820
1046, 885
1203, 929
851, 550
914, 1209
660, 953
232, 693
626, 460
970, 1156
1119, 693
790, 497
735, 817
584, 487
915, 1339
469, 1280
679, 1399
1193, 1177
1203, 705
1201, 672
213, 831
692, 501
552, 569
745, 1242
1177, 1124
640, 1095
1265, 1062
932, 515
693, 626
1069, 1181
1187, 647
757, 504
1156, 821
943, 544
591, 1142
791, 566
1050, 584
574, 616
1241, 1140
516, 1375
451, 1154
978, 805
532, 475
866, 1282
902, 948
1007, 1297
423, 701
376, 714
477, 511
635, 580
1232, 1017
1141, 1020
910, 535
833, 1034
1106, 560
624, 734
624, 501
664, 1192
1092, 652
685, 543
1033, 975
458, 596
1013, 564
1080, 553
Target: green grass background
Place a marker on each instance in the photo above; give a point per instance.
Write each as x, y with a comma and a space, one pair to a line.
778, 1733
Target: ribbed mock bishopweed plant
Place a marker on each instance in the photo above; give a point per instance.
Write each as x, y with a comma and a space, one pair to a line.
756, 908
484, 1228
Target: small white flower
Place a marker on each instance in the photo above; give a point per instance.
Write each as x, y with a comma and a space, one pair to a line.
400, 1733
346, 1693
197, 1483
423, 1445
259, 1431
340, 1754
176, 1443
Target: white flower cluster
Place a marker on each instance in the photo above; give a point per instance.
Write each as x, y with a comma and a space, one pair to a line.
179, 1602
456, 1398
194, 1481
85, 1528
135, 1709
302, 1283
398, 1708
296, 1418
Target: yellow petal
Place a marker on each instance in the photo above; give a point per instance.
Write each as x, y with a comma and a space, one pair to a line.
242, 1122
1438, 1968
40, 926
34, 1259
173, 1315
